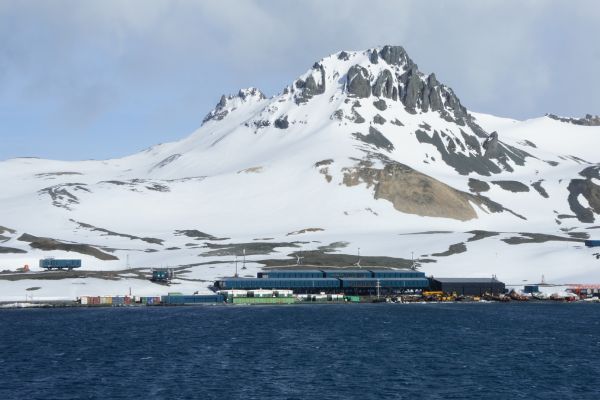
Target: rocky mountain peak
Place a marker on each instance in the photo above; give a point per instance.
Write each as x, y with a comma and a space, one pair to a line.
229, 103
385, 73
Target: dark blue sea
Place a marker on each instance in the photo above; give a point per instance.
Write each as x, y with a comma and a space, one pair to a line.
370, 351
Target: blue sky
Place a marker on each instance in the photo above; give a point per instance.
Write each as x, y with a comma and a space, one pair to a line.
105, 78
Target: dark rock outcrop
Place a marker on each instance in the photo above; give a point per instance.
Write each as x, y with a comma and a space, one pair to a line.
343, 56
373, 57
282, 122
309, 87
380, 105
395, 55
591, 192
588, 120
358, 82
378, 119
477, 186
540, 189
221, 110
384, 85
512, 186
375, 138
48, 244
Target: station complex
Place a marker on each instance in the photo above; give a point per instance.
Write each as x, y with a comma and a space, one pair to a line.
358, 281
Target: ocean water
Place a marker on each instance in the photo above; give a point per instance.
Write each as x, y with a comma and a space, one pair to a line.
370, 351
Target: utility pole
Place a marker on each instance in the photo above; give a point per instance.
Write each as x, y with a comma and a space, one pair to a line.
236, 272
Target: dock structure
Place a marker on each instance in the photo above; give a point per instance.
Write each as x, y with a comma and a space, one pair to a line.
356, 281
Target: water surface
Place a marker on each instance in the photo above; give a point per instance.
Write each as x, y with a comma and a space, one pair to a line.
367, 351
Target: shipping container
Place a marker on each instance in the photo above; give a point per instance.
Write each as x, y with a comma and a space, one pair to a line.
531, 289
592, 243
192, 299
52, 263
118, 301
260, 293
263, 300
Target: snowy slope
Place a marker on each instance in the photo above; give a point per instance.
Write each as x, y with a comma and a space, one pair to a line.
362, 149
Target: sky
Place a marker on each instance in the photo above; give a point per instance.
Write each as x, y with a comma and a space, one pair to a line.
101, 79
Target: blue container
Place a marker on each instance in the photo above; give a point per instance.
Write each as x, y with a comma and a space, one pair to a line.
531, 289
193, 299
592, 243
50, 263
118, 301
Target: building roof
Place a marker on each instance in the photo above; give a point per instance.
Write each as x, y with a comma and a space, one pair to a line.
466, 280
383, 279
290, 270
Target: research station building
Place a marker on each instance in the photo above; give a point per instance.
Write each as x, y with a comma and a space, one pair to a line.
467, 286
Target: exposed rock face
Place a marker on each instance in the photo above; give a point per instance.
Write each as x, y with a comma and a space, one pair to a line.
53, 244
309, 87
358, 82
477, 186
373, 57
224, 106
380, 105
395, 55
588, 120
384, 85
476, 162
282, 122
412, 192
590, 191
540, 189
378, 119
375, 138
411, 90
491, 145
512, 186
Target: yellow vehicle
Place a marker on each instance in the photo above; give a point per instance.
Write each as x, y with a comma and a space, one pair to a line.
433, 293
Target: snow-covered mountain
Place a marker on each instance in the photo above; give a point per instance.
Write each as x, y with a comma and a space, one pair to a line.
362, 151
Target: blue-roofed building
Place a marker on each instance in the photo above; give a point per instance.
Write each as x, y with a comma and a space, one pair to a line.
291, 273
330, 280
347, 273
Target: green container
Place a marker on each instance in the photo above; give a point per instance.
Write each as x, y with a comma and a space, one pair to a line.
353, 299
263, 300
